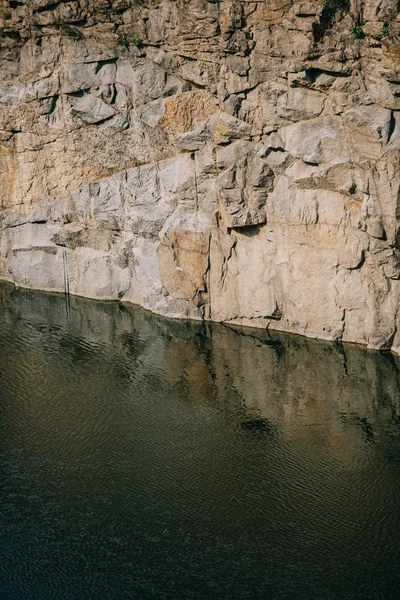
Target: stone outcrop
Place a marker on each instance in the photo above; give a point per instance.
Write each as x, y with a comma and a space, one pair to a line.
230, 160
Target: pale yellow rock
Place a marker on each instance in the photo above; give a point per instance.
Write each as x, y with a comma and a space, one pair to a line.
183, 111
183, 258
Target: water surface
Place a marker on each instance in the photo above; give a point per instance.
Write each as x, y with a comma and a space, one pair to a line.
150, 459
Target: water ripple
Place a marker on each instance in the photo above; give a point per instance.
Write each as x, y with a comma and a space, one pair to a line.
146, 458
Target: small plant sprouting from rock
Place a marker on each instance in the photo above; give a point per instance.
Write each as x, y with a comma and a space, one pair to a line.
385, 30
331, 11
5, 14
331, 7
357, 32
125, 42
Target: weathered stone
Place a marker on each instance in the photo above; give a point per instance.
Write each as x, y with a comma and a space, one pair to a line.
230, 160
243, 191
91, 109
321, 140
184, 260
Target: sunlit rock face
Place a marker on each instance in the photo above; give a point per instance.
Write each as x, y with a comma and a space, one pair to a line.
231, 160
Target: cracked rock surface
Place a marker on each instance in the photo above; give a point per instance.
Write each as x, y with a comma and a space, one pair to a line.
230, 160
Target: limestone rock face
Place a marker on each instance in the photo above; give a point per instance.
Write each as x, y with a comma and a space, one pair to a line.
229, 160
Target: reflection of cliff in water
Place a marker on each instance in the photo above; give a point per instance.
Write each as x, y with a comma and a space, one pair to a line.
341, 396
4, 295
282, 385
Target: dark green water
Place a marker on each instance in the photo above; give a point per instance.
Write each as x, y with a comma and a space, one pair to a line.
149, 459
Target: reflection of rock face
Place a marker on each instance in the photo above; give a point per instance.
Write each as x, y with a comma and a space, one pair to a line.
193, 454
309, 389
302, 390
234, 161
3, 298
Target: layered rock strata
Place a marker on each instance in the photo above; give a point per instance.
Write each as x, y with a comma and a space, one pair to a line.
230, 160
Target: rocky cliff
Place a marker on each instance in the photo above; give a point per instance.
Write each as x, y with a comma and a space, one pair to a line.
230, 160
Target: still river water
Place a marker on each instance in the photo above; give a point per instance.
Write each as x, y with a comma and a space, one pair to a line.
150, 459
